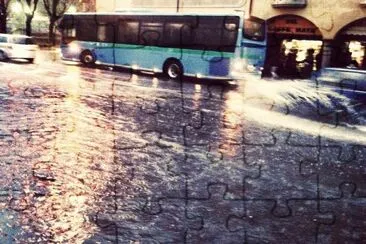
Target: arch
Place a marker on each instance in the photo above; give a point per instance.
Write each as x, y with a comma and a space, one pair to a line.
353, 30
291, 40
349, 45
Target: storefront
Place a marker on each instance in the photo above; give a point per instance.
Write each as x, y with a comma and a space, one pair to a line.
349, 46
293, 47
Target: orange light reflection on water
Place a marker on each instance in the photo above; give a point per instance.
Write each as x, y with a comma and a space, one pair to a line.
80, 146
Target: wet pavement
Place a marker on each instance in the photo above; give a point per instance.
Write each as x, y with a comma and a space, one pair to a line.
102, 156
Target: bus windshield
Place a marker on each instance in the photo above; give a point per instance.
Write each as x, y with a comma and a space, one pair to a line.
254, 29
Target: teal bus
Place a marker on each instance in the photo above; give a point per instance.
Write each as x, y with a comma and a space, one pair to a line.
215, 46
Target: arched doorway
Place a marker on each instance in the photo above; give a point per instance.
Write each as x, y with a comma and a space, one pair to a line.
349, 46
292, 40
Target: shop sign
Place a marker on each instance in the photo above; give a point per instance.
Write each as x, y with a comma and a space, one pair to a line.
292, 25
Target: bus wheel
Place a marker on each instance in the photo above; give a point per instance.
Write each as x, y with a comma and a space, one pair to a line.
3, 56
87, 58
173, 69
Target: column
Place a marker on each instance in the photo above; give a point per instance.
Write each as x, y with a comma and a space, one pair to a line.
327, 53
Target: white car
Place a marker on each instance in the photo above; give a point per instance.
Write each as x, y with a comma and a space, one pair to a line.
17, 47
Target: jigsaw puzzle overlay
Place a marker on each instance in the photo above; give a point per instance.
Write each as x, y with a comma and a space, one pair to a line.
98, 156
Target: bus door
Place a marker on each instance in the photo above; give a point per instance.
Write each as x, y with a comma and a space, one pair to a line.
253, 46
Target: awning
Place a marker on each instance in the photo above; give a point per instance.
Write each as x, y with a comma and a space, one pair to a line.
357, 30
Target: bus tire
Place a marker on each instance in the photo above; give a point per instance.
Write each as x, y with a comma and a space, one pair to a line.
87, 58
173, 69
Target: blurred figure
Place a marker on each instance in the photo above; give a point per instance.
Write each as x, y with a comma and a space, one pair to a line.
345, 58
281, 61
308, 64
290, 68
319, 59
353, 64
363, 65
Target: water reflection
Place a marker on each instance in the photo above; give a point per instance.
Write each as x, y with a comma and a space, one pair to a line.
64, 131
72, 164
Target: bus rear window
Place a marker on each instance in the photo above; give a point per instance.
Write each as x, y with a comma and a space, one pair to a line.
254, 29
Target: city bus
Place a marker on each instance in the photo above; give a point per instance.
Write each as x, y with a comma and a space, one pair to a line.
215, 46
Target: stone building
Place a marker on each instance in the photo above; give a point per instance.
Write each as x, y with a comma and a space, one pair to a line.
335, 29
86, 6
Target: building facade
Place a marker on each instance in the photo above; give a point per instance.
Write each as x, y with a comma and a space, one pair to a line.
86, 6
334, 29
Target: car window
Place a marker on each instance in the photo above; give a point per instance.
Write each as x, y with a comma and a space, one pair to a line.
23, 40
3, 39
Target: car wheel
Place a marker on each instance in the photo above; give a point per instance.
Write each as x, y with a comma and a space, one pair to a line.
3, 56
87, 58
173, 69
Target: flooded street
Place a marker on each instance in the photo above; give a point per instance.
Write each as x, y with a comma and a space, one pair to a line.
102, 156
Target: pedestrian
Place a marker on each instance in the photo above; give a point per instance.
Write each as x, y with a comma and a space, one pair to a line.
363, 64
281, 61
308, 64
353, 64
319, 59
291, 65
345, 58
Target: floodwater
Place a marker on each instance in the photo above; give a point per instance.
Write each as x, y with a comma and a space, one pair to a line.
83, 149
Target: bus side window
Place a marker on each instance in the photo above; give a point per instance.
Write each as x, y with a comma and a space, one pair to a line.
128, 32
208, 33
105, 33
229, 34
69, 32
68, 29
151, 34
173, 34
87, 30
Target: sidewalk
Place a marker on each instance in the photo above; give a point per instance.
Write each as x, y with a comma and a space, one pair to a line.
48, 54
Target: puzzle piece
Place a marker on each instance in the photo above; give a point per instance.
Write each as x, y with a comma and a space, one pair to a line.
261, 222
349, 211
214, 222
135, 159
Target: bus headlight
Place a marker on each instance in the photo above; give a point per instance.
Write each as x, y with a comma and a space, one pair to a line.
74, 47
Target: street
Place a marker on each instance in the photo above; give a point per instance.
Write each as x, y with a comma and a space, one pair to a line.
98, 155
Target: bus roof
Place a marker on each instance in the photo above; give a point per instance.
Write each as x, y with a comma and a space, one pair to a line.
154, 13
